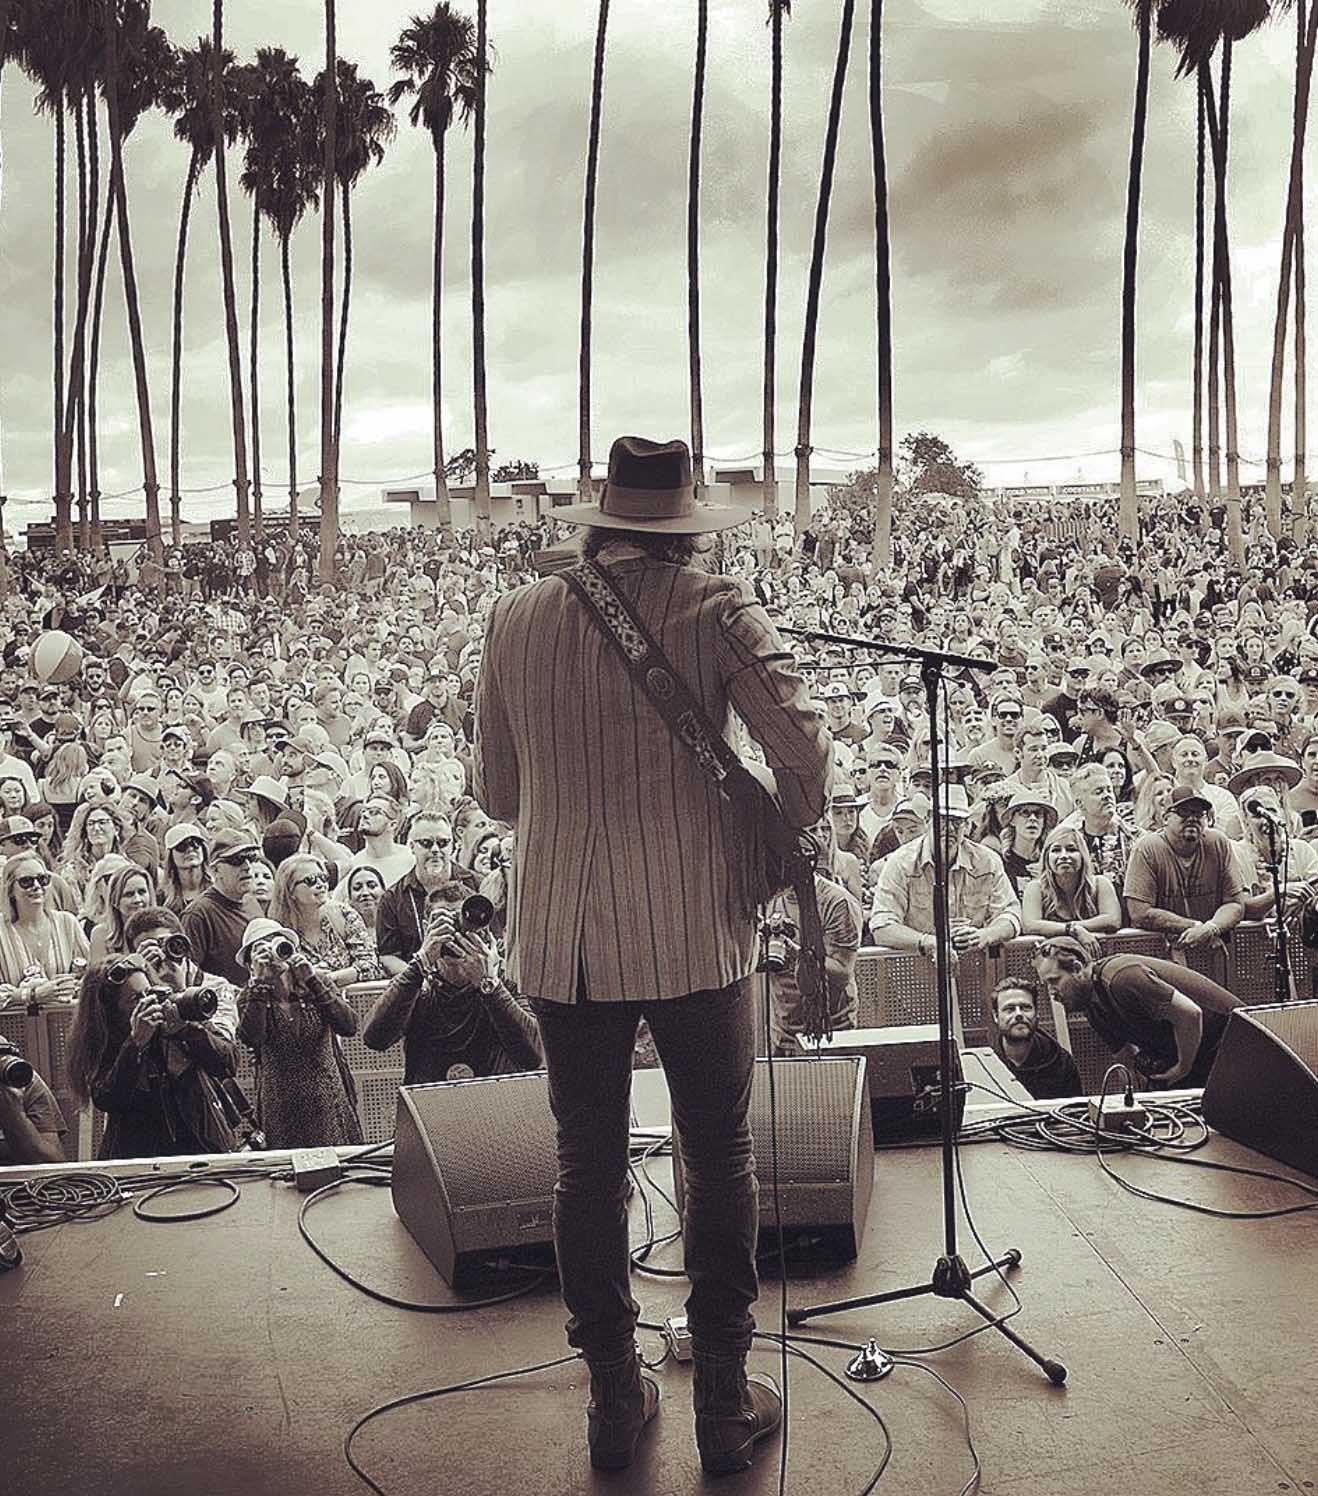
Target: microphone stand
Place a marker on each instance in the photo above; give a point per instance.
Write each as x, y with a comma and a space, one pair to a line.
1281, 971
951, 1278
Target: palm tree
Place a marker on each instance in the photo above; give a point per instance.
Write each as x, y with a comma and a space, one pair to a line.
282, 171
1291, 241
329, 461
1300, 486
363, 124
480, 404
188, 98
778, 9
693, 249
1197, 417
10, 50
218, 131
817, 270
585, 488
436, 54
138, 60
882, 547
1128, 514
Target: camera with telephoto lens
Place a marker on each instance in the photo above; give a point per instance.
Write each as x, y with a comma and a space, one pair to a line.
15, 1072
775, 933
475, 914
196, 1006
282, 948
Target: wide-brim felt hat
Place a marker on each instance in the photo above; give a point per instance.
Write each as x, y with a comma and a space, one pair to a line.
1256, 765
650, 487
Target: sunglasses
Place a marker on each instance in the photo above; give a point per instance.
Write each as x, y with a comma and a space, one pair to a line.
428, 843
243, 859
1011, 716
29, 881
24, 838
191, 844
313, 880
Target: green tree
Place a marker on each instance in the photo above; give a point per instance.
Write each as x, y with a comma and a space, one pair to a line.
436, 55
927, 464
817, 270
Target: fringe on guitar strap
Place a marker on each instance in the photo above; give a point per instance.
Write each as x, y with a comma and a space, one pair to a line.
811, 977
747, 844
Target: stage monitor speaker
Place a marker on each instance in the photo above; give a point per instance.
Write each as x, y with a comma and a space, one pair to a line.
475, 1164
902, 1063
1263, 1087
825, 1150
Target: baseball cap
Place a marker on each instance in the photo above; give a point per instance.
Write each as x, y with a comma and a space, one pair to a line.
184, 831
380, 733
175, 731
836, 690
229, 841
1186, 797
17, 826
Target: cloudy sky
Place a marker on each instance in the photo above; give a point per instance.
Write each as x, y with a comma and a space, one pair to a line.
1008, 142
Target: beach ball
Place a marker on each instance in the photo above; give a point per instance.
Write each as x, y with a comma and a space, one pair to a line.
56, 656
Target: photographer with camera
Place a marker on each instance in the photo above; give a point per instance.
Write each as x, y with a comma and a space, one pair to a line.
290, 1014
32, 1126
454, 1015
839, 914
151, 1058
156, 935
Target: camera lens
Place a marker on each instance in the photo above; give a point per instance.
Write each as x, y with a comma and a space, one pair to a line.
15, 1072
177, 947
282, 950
196, 1007
477, 912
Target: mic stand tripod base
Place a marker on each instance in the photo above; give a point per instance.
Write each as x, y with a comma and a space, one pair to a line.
871, 1364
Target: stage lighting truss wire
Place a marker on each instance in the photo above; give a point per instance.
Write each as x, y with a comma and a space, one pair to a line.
1177, 1130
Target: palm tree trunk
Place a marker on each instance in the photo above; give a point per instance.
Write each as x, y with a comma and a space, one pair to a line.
63, 466
290, 387
4, 549
329, 457
176, 365
881, 554
253, 367
343, 311
1299, 120
481, 410
1128, 516
149, 480
1218, 135
817, 271
436, 338
93, 370
78, 356
1197, 419
585, 488
1300, 496
226, 275
769, 473
1215, 383
693, 251
85, 539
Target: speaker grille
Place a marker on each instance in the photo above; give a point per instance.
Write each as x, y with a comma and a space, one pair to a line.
1295, 1024
494, 1139
814, 1111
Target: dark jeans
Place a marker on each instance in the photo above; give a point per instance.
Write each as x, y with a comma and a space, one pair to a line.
706, 1043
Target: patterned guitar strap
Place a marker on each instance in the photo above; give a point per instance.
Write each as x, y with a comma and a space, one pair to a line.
670, 696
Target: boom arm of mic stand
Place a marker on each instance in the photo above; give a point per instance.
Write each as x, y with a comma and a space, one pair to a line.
899, 651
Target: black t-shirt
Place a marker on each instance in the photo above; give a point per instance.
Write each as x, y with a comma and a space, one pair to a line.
1047, 1071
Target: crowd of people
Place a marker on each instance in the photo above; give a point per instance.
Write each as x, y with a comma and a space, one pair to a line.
257, 791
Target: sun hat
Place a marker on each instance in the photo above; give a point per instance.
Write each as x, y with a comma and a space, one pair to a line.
184, 831
262, 929
650, 487
267, 788
1257, 765
1026, 799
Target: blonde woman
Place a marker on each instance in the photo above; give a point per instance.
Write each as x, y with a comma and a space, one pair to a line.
332, 933
96, 831
1069, 897
59, 786
43, 950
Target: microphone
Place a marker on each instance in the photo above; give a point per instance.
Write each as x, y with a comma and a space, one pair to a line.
1266, 812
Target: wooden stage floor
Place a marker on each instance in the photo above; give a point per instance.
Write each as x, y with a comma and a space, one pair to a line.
221, 1357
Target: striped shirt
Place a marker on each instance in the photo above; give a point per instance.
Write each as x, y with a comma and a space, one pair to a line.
623, 890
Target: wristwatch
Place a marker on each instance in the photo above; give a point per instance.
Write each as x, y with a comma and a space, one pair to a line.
488, 986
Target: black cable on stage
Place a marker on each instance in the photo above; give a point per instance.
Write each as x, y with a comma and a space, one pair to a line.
190, 1215
539, 1275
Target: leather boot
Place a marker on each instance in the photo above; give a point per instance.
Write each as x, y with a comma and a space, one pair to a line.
622, 1402
732, 1411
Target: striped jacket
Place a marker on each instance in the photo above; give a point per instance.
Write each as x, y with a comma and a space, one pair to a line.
622, 879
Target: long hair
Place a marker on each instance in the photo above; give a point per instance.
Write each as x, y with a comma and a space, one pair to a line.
114, 918
96, 1027
1144, 814
77, 854
659, 545
65, 770
95, 893
397, 780
47, 852
170, 886
282, 907
13, 869
1055, 902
